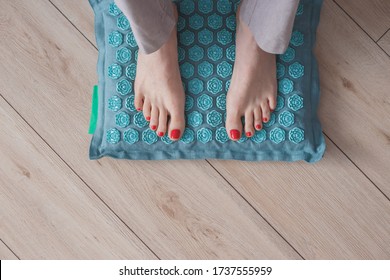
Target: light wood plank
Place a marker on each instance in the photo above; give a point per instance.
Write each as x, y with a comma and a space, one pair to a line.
372, 15
384, 42
5, 253
47, 212
327, 210
81, 15
180, 209
355, 98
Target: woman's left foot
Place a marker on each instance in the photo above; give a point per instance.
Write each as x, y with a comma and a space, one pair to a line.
252, 93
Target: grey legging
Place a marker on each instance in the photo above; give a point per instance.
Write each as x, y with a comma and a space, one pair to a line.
270, 21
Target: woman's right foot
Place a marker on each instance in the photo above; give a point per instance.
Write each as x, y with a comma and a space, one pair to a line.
159, 91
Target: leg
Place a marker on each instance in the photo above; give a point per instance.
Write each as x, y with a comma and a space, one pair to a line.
270, 22
158, 88
261, 32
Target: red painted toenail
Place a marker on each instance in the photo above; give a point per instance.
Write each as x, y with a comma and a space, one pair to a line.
153, 127
160, 134
139, 109
147, 118
175, 134
235, 134
258, 126
265, 119
249, 134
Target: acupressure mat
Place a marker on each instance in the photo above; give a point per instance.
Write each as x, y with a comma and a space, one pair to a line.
206, 35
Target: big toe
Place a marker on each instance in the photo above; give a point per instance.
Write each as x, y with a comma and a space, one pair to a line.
233, 126
176, 125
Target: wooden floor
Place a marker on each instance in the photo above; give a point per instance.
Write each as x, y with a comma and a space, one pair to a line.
57, 204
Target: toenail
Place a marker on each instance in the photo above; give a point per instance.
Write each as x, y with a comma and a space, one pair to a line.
153, 127
235, 134
249, 134
147, 118
265, 119
258, 126
175, 134
160, 134
139, 109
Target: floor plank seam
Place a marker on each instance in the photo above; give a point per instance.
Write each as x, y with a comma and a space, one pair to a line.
383, 35
377, 43
256, 211
357, 167
2, 241
99, 198
341, 8
388, 54
72, 24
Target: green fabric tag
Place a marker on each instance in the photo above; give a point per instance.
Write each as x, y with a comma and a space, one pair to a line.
94, 112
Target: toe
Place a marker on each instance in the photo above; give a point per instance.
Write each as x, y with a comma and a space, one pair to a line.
272, 102
233, 125
162, 122
138, 101
176, 126
249, 128
154, 118
258, 122
265, 111
147, 109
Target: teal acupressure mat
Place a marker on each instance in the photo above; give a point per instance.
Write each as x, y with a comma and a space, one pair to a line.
206, 35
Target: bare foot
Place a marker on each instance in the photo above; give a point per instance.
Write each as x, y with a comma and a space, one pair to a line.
159, 91
252, 93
